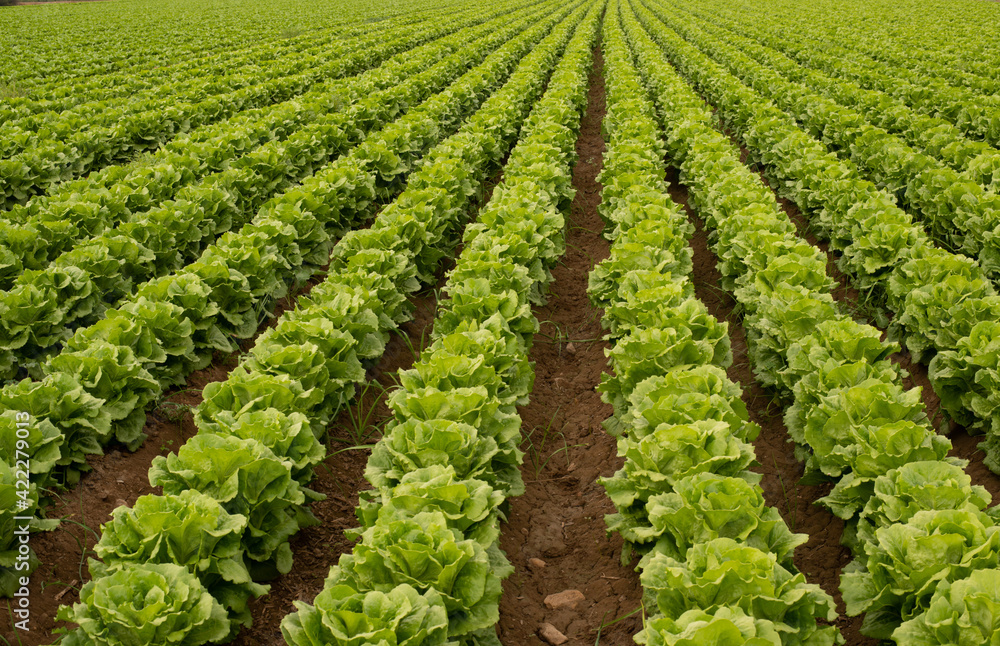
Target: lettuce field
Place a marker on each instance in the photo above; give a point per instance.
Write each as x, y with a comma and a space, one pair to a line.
585, 322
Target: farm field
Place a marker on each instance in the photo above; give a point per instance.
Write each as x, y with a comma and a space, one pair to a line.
600, 322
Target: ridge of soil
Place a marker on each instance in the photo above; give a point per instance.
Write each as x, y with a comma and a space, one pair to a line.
560, 517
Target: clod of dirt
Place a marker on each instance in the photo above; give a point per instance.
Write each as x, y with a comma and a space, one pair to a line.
551, 634
548, 541
566, 599
570, 348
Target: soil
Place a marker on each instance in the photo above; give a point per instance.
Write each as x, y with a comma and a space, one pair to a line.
560, 518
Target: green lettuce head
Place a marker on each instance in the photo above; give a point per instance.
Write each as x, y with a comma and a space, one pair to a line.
424, 552
725, 626
144, 603
894, 580
706, 506
960, 612
191, 530
343, 616
724, 573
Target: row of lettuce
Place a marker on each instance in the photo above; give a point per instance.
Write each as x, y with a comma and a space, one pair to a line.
959, 211
39, 151
97, 390
716, 564
958, 48
427, 569
45, 307
224, 155
30, 127
449, 457
926, 548
112, 89
956, 53
74, 148
975, 111
976, 160
61, 50
944, 304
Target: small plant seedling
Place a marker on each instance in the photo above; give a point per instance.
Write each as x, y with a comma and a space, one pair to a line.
536, 445
604, 624
415, 351
361, 417
173, 411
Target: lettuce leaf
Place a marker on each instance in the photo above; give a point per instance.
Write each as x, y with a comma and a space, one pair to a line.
895, 578
424, 552
247, 479
706, 506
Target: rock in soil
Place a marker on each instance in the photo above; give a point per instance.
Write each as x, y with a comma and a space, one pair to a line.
551, 634
565, 599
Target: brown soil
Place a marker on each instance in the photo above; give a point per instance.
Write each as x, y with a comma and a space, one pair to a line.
560, 518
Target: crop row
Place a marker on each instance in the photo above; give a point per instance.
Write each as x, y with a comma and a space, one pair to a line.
47, 305
976, 160
222, 154
958, 50
34, 128
449, 456
54, 48
956, 211
944, 304
716, 560
92, 94
97, 390
924, 546
37, 169
264, 410
976, 115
